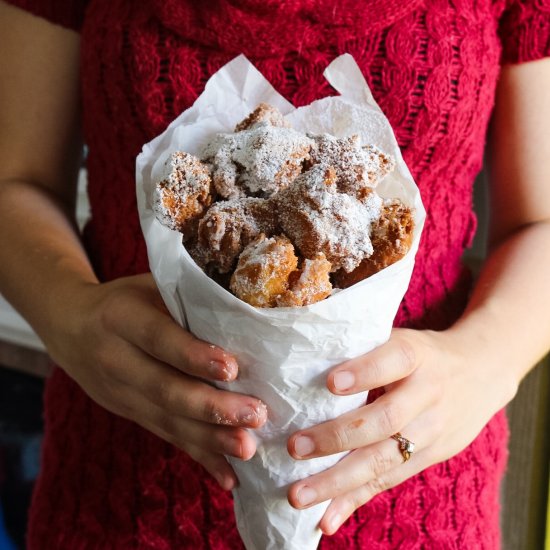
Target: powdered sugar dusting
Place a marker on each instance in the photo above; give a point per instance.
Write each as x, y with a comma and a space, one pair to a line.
308, 285
259, 161
358, 169
280, 192
184, 191
263, 270
318, 218
229, 226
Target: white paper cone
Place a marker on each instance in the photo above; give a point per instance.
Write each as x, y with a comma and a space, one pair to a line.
284, 354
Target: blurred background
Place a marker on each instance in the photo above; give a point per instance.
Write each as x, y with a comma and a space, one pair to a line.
24, 366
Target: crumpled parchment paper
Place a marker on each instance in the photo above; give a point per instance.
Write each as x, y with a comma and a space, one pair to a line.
284, 354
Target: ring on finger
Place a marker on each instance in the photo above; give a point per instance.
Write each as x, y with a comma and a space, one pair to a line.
405, 446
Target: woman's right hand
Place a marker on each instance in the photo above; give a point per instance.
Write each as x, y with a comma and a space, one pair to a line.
115, 339
119, 343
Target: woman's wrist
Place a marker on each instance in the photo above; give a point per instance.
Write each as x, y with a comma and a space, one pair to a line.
64, 312
482, 350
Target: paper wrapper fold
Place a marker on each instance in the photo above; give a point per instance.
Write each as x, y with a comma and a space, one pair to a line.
283, 354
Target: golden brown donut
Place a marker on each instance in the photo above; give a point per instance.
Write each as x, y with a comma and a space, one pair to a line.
310, 284
316, 217
258, 161
263, 114
358, 168
391, 237
263, 270
182, 196
229, 226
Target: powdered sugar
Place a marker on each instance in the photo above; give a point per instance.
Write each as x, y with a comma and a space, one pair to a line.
318, 218
184, 191
259, 161
229, 226
263, 270
308, 285
316, 190
358, 169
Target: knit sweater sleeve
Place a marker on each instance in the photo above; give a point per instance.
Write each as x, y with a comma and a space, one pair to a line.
525, 31
67, 13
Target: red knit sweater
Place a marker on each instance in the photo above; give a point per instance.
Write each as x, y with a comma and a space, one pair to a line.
433, 66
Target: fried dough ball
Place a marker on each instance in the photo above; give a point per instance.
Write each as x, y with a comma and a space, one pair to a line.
183, 194
263, 114
318, 218
391, 237
358, 169
258, 161
263, 270
229, 226
308, 285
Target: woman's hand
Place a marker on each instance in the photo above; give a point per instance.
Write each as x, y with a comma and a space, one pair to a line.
436, 396
122, 347
115, 339
443, 387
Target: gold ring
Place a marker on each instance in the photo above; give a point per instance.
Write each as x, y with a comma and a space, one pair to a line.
405, 446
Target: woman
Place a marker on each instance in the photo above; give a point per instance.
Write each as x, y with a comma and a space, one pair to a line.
439, 70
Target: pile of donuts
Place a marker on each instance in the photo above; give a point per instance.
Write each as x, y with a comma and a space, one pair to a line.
280, 217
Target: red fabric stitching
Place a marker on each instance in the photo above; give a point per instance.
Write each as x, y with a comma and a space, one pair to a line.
433, 67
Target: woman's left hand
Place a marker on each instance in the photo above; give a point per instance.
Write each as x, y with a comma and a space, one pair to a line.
443, 387
438, 395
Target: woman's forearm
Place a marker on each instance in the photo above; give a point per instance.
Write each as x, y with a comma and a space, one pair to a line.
506, 326
43, 261
507, 323
40, 154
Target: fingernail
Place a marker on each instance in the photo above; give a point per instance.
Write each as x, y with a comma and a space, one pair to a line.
221, 371
306, 495
343, 380
334, 522
303, 445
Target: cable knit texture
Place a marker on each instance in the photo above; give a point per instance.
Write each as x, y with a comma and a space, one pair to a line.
433, 66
